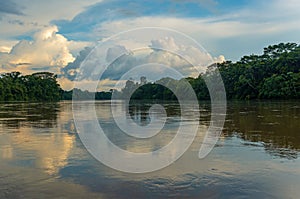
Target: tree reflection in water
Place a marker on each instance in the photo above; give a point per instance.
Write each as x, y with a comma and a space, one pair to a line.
40, 115
274, 124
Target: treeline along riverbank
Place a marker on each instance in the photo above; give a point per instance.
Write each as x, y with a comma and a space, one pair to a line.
273, 75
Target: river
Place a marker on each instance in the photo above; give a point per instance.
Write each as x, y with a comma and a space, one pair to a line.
257, 155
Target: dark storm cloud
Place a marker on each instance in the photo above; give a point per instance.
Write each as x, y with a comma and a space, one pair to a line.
10, 7
114, 71
90, 19
70, 71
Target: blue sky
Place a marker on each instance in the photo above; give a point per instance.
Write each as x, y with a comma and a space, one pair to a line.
51, 35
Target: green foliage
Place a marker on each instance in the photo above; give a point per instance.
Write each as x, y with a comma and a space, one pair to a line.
78, 94
146, 91
36, 87
281, 86
272, 75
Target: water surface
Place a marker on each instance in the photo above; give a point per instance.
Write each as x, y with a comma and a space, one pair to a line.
257, 156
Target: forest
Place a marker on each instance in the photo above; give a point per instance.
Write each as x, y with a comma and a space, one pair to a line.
273, 75
40, 86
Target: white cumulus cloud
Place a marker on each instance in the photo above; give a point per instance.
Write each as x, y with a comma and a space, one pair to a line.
182, 56
48, 50
160, 57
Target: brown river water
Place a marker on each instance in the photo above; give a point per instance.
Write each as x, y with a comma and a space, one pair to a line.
257, 155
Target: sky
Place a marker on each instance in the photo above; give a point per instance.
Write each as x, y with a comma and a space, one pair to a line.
56, 36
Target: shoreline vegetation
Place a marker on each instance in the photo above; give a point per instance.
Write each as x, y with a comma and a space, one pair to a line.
273, 75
